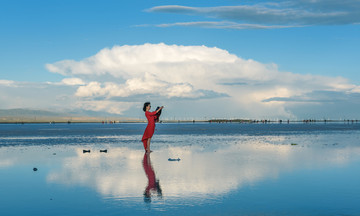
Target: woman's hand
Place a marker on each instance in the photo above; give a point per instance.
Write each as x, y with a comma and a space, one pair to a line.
159, 109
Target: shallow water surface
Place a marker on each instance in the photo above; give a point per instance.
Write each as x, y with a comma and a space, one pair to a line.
224, 169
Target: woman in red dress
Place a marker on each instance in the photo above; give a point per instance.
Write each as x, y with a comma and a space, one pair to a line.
149, 131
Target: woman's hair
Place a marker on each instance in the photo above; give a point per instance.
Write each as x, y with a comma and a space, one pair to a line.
145, 105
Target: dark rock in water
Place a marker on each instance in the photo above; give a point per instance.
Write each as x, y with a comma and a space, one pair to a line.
174, 159
86, 151
35, 169
104, 151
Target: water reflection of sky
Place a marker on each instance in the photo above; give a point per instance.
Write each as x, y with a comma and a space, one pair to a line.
211, 168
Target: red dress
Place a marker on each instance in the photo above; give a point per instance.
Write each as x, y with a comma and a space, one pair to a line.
150, 128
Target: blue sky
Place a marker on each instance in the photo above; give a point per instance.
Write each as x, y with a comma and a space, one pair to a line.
310, 40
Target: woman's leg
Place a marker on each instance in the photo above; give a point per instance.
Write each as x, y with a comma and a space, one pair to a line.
148, 145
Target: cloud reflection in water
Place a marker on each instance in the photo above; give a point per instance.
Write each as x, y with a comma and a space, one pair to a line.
209, 169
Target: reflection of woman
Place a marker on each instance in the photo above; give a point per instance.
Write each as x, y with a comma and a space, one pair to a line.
153, 184
149, 131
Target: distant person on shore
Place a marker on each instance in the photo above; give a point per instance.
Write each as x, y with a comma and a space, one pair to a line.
152, 117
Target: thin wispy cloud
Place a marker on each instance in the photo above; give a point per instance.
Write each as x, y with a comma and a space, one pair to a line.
223, 25
269, 14
321, 96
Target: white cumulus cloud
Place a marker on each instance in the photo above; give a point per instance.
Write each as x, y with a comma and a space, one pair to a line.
205, 79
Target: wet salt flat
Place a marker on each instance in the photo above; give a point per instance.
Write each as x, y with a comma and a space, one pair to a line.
224, 169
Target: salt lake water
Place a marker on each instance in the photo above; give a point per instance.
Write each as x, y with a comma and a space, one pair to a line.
224, 169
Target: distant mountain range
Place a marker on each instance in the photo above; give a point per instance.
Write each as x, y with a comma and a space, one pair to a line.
34, 115
27, 113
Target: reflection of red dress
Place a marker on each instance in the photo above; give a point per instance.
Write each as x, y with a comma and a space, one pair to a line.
150, 128
150, 175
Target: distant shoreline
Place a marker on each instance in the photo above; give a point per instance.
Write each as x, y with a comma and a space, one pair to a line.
34, 116
219, 121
